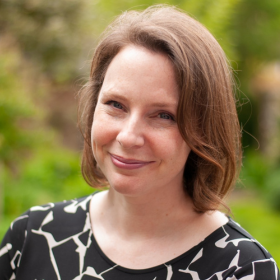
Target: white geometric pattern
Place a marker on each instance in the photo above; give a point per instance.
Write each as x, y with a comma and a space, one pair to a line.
41, 225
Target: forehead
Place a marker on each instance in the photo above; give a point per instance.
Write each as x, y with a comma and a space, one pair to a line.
145, 59
143, 72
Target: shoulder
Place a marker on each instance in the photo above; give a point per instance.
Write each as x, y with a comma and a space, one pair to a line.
232, 253
243, 254
41, 215
57, 220
51, 222
60, 213
237, 237
11, 246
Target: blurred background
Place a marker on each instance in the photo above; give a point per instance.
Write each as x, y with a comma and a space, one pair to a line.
45, 52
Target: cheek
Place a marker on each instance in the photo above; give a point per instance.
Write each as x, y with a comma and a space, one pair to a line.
179, 158
173, 146
176, 152
97, 138
93, 141
102, 133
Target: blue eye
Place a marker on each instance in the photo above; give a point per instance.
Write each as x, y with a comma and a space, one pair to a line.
166, 116
116, 104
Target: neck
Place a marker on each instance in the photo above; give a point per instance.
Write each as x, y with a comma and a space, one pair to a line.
147, 216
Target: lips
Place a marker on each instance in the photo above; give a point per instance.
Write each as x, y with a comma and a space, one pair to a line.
124, 163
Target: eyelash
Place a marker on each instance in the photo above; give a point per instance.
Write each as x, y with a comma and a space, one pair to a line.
120, 107
112, 103
170, 117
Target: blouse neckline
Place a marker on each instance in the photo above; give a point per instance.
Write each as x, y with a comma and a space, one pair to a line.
212, 235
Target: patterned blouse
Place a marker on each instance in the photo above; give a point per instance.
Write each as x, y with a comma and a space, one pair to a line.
55, 241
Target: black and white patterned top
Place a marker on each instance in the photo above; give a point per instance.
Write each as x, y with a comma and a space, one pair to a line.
55, 241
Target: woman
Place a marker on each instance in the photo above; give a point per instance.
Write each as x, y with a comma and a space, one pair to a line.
160, 127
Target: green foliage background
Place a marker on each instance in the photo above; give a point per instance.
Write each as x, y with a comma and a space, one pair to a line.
45, 47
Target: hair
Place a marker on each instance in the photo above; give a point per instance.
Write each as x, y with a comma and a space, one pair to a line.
206, 113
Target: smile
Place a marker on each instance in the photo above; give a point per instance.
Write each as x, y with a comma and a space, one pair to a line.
124, 163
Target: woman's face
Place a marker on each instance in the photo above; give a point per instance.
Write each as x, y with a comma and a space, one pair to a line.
135, 137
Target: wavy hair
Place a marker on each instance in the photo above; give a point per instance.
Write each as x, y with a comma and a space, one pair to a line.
206, 114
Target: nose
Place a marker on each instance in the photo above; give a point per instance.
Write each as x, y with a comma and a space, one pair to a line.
131, 133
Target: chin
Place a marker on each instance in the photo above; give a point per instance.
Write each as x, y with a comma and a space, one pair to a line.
126, 187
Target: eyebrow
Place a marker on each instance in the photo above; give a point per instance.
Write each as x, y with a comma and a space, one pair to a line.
162, 105
113, 94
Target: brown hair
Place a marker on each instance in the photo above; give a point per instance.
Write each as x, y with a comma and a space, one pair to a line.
206, 114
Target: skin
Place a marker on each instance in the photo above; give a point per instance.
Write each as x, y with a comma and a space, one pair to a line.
145, 218
134, 122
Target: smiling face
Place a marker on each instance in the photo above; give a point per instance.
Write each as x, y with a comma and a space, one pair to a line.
135, 137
